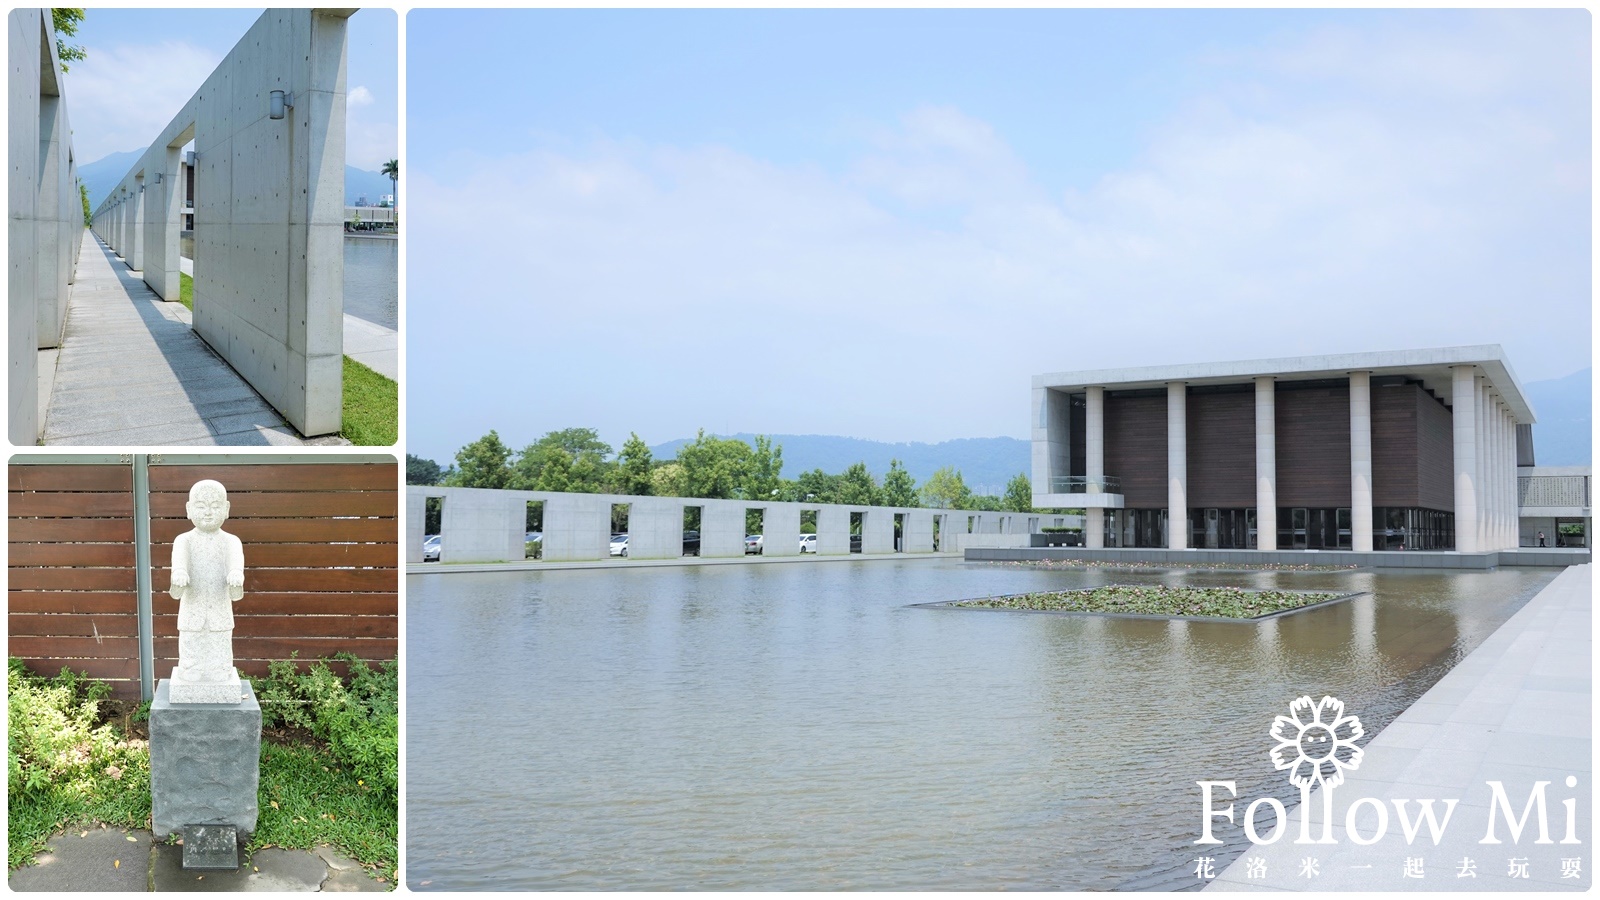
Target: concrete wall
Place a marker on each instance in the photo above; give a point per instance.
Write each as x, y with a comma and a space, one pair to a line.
489, 526
269, 213
45, 212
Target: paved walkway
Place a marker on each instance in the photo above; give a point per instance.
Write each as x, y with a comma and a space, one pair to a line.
1515, 711
131, 371
116, 859
368, 343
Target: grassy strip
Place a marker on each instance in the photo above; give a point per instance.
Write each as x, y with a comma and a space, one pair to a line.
1156, 600
371, 407
63, 769
308, 798
186, 291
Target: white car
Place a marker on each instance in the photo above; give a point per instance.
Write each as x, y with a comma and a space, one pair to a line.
753, 543
619, 545
430, 548
808, 543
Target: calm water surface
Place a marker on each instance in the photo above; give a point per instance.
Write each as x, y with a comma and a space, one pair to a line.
372, 280
798, 727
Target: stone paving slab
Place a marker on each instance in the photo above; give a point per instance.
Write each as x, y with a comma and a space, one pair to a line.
131, 371
1516, 711
119, 859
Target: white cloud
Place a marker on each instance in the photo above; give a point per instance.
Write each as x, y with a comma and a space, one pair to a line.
1325, 201
357, 96
122, 95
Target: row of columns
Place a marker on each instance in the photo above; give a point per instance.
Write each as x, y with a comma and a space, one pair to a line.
1485, 463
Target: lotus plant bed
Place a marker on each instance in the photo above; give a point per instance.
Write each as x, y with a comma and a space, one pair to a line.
1211, 566
1157, 601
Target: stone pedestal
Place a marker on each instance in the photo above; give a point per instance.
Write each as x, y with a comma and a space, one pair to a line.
204, 762
227, 692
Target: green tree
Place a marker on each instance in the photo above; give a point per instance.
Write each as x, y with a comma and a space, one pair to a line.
482, 463
816, 486
714, 468
764, 479
945, 489
556, 472
985, 502
585, 467
88, 217
857, 487
66, 23
1019, 494
392, 169
899, 488
634, 467
667, 480
422, 471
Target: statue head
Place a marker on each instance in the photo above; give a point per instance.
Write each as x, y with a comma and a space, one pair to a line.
208, 505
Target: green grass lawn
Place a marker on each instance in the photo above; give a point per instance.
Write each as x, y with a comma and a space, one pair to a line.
1156, 600
186, 291
371, 406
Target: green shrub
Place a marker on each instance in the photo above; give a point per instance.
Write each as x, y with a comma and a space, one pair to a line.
63, 769
360, 721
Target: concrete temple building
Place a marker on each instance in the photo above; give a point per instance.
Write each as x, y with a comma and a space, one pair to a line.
1398, 450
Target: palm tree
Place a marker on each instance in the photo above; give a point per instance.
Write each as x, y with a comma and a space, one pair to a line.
392, 169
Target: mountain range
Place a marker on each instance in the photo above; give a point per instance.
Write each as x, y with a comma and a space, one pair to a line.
1560, 438
105, 173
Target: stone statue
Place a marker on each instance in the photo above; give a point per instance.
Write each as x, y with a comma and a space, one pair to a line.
207, 579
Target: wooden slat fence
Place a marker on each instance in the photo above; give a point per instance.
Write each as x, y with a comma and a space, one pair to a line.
71, 600
321, 546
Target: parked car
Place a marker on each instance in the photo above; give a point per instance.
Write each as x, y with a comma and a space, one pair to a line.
430, 548
855, 543
808, 543
691, 543
619, 545
753, 543
533, 545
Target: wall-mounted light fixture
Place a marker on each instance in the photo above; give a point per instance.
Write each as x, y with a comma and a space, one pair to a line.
280, 102
158, 178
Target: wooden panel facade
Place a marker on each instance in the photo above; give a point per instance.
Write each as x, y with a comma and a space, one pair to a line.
1436, 465
1413, 449
1222, 449
327, 583
1136, 446
321, 564
71, 601
1313, 444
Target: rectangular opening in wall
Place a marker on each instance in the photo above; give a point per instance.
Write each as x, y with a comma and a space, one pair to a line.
691, 530
899, 532
619, 529
754, 531
858, 523
533, 541
808, 531
938, 529
432, 528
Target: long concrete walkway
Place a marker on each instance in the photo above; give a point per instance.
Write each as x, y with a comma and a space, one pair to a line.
132, 372
1515, 712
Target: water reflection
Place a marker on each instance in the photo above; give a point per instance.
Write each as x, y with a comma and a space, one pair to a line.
372, 280
798, 727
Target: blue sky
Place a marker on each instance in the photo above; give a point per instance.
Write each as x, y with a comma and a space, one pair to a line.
882, 224
144, 64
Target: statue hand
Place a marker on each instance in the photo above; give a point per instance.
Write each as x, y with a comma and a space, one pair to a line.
235, 585
180, 580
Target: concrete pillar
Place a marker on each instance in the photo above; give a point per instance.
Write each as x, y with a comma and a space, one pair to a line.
1094, 457
50, 248
833, 530
481, 526
26, 33
136, 226
877, 530
1464, 433
655, 526
416, 518
1481, 446
1361, 461
917, 536
722, 528
163, 218
1266, 463
576, 526
781, 525
1177, 466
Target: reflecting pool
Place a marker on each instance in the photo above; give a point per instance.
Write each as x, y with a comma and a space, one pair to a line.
372, 280
797, 726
